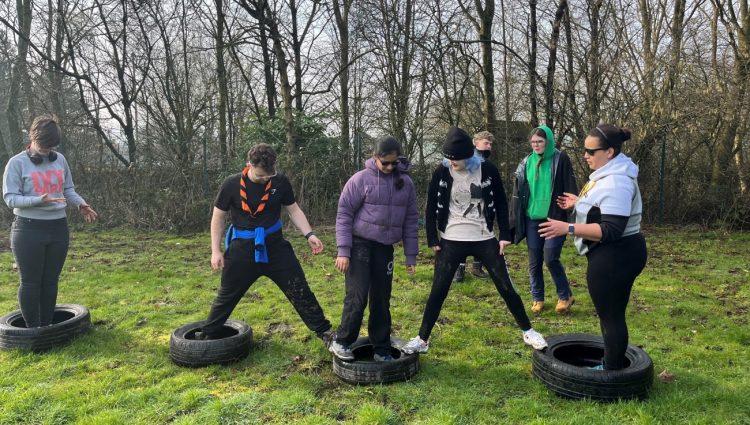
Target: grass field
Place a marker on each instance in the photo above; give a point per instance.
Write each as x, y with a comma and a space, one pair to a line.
689, 311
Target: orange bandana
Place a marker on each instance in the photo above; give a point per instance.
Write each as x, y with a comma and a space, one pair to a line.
243, 194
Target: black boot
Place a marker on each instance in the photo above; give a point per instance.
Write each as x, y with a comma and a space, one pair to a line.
459, 276
477, 271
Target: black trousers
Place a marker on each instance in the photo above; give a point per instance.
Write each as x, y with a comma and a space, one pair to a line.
370, 275
611, 271
283, 268
40, 248
446, 262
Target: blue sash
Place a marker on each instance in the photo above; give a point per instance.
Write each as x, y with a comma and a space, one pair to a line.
259, 234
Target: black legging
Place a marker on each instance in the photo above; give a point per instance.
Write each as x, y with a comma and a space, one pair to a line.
40, 248
446, 262
612, 269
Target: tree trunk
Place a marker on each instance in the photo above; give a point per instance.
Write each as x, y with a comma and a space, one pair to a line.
221, 76
267, 67
593, 87
486, 17
533, 35
549, 86
18, 76
341, 11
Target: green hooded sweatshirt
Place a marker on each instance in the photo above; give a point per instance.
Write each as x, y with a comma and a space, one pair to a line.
539, 176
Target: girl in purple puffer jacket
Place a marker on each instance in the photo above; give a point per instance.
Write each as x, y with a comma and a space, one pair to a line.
377, 208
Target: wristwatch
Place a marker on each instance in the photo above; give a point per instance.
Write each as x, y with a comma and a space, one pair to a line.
571, 229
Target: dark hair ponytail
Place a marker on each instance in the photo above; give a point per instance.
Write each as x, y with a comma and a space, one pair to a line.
611, 136
386, 146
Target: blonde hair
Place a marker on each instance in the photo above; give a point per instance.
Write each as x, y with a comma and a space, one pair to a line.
484, 135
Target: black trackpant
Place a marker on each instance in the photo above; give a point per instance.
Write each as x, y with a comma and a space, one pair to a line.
40, 248
611, 272
446, 262
370, 274
283, 268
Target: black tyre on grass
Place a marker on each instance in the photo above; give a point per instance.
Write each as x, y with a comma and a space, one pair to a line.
68, 322
233, 344
563, 367
364, 370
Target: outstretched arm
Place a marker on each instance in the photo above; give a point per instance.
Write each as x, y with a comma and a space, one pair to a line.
300, 221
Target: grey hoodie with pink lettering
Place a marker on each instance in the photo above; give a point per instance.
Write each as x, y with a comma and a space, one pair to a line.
24, 183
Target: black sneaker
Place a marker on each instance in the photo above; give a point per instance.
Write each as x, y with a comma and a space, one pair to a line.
477, 271
460, 273
202, 336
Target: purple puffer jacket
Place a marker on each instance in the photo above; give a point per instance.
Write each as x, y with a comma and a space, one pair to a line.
372, 208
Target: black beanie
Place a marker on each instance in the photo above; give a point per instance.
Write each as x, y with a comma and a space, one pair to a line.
458, 145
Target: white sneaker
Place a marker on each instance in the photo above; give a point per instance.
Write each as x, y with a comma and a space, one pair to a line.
416, 345
534, 339
341, 351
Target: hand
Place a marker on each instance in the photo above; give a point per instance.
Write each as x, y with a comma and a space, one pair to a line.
88, 213
553, 228
435, 248
46, 199
567, 201
217, 261
315, 244
502, 246
411, 269
342, 264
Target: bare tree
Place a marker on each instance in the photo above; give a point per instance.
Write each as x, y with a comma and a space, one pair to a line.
341, 9
19, 75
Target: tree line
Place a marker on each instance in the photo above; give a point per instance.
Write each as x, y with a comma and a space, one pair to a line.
159, 100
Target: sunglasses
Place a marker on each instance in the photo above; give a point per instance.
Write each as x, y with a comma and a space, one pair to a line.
391, 163
591, 152
266, 177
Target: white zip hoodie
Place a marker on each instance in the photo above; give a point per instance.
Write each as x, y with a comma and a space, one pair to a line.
613, 189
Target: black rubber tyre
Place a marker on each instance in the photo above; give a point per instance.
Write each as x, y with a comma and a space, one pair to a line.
563, 368
68, 322
234, 344
366, 371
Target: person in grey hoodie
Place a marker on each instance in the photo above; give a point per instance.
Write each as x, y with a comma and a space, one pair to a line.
377, 208
607, 230
38, 185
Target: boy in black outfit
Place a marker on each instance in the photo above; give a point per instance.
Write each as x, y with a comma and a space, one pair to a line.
255, 245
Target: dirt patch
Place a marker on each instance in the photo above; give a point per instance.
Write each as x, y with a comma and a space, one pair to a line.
277, 328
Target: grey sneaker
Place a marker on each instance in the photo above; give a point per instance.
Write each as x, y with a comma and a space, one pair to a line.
327, 337
344, 352
385, 358
534, 339
416, 345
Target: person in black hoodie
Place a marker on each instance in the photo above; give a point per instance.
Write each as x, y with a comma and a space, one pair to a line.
541, 177
464, 199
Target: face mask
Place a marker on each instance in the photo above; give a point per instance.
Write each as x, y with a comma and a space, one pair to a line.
485, 154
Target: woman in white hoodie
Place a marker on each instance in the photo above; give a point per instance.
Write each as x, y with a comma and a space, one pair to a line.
607, 230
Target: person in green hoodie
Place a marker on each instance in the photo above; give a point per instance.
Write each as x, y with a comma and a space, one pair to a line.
540, 178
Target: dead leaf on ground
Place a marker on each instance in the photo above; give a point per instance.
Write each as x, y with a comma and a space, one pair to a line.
665, 376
